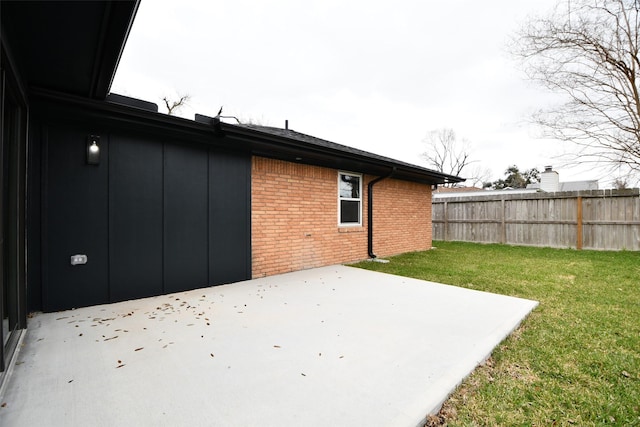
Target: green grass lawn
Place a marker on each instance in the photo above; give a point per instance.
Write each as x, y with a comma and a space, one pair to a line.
574, 361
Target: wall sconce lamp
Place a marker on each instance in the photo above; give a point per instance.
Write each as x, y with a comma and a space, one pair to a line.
93, 150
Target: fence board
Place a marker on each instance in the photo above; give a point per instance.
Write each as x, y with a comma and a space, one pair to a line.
598, 219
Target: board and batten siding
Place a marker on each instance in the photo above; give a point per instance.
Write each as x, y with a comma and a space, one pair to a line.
595, 219
156, 215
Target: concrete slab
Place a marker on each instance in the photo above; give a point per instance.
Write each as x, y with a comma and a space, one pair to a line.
333, 346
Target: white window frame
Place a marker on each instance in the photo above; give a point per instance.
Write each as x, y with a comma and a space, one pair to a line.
359, 200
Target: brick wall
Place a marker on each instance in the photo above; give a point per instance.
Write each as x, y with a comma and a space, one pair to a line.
294, 218
401, 217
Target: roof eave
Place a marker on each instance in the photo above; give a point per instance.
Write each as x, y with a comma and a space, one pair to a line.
270, 145
117, 24
228, 136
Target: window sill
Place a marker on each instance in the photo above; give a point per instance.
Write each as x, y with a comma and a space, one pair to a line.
351, 229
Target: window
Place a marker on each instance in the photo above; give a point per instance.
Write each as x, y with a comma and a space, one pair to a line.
349, 199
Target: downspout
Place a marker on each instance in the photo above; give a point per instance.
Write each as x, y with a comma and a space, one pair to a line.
370, 210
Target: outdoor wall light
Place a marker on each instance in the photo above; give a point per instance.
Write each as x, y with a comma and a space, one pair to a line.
93, 150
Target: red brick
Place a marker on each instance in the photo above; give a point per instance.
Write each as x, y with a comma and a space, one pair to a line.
295, 218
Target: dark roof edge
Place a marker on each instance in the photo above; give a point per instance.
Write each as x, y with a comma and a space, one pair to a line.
259, 143
127, 112
116, 27
295, 139
132, 102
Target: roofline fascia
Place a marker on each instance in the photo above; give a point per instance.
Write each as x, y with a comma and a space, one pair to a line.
129, 116
106, 62
257, 143
438, 177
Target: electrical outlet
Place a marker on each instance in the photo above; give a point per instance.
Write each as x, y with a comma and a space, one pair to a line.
78, 259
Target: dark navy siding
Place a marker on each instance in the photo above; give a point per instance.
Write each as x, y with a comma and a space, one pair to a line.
156, 216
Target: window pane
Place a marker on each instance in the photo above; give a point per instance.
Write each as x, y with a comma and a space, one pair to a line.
350, 186
349, 211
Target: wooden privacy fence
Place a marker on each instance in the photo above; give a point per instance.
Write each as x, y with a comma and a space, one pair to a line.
594, 219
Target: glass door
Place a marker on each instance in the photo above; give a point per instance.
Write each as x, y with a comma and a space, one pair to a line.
12, 213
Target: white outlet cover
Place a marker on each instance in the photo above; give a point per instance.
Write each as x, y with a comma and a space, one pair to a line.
78, 259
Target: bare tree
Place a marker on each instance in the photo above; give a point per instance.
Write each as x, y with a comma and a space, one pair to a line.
174, 106
477, 176
445, 153
588, 50
620, 183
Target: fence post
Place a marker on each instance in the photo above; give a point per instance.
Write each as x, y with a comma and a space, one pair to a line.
503, 224
579, 223
446, 222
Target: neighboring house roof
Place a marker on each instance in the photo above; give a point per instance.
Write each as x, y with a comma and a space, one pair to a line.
458, 190
484, 193
579, 185
569, 186
590, 184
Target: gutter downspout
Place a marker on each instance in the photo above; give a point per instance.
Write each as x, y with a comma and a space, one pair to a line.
370, 210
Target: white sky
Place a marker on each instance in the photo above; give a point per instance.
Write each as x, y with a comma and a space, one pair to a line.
376, 75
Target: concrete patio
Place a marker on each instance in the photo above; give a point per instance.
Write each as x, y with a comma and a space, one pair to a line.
333, 346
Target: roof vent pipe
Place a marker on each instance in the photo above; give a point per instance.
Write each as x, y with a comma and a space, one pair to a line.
286, 124
370, 210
